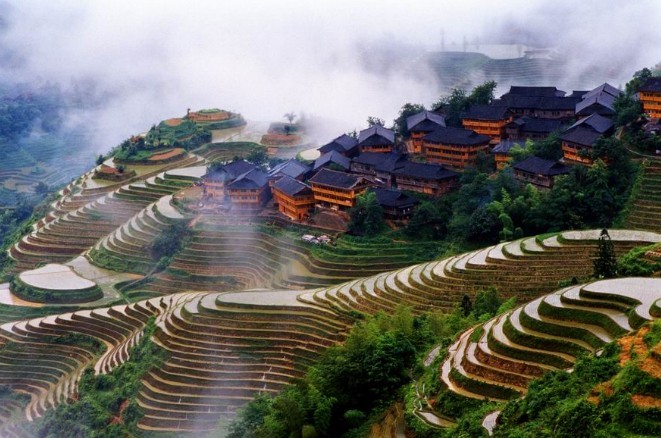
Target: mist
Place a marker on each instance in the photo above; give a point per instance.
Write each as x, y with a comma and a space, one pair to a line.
339, 61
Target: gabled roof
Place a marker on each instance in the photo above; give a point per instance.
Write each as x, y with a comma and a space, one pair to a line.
337, 179
651, 84
425, 171
535, 125
603, 96
596, 122
253, 179
424, 121
393, 198
291, 187
604, 88
230, 171
293, 168
534, 91
540, 166
583, 135
505, 145
380, 161
343, 143
376, 135
486, 112
332, 157
457, 136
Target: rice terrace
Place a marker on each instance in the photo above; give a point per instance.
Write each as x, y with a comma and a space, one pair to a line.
485, 265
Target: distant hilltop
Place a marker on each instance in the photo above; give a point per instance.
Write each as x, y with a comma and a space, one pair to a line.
500, 51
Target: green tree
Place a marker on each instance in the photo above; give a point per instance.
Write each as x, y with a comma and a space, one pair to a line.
258, 156
100, 159
290, 116
484, 226
487, 302
215, 166
366, 217
373, 121
605, 263
458, 101
483, 94
549, 148
407, 111
452, 106
429, 221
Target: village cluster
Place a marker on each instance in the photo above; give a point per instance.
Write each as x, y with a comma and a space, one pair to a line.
431, 159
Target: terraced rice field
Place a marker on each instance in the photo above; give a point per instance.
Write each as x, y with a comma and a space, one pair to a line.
22, 168
549, 332
225, 348
645, 212
84, 215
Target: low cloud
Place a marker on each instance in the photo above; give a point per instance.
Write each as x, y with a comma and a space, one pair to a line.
338, 60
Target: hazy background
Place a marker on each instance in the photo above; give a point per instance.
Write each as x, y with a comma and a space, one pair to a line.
138, 62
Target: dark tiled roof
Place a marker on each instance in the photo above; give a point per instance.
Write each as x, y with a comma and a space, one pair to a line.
541, 166
424, 121
376, 135
380, 161
253, 179
604, 88
651, 84
336, 179
393, 198
603, 96
582, 135
425, 171
425, 126
293, 168
290, 186
230, 171
343, 143
534, 91
486, 112
457, 136
505, 145
332, 157
577, 93
540, 102
536, 125
599, 123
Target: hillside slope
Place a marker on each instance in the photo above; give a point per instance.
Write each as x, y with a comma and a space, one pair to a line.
225, 348
645, 209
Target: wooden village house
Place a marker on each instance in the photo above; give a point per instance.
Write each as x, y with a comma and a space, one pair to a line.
344, 145
215, 182
582, 136
337, 190
430, 179
294, 198
649, 95
487, 120
454, 147
376, 139
420, 125
249, 191
538, 171
396, 205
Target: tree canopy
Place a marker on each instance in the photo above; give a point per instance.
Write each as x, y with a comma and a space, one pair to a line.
407, 111
458, 101
366, 217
